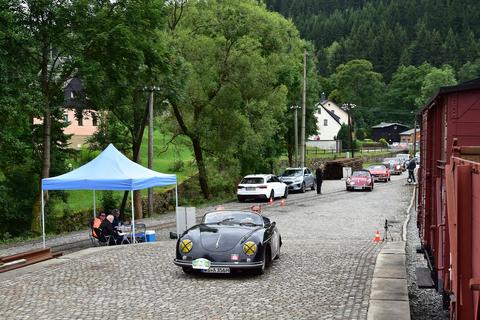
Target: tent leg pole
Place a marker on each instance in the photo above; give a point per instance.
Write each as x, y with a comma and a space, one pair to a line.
133, 219
94, 205
43, 220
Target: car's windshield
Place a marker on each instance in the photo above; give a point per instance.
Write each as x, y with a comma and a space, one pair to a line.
390, 160
360, 174
292, 173
379, 167
232, 217
250, 180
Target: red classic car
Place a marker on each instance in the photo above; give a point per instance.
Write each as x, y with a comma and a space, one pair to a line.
379, 172
360, 180
394, 165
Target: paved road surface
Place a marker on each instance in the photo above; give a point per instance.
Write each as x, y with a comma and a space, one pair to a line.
324, 271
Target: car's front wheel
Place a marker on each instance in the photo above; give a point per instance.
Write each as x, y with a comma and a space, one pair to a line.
285, 193
303, 188
187, 270
265, 262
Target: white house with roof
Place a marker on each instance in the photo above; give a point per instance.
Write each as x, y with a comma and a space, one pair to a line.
328, 124
336, 110
330, 118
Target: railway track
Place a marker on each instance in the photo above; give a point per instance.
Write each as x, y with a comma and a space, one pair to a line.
24, 259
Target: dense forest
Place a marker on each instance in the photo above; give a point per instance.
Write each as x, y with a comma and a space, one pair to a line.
401, 39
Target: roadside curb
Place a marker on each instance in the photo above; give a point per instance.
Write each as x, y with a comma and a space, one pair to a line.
389, 293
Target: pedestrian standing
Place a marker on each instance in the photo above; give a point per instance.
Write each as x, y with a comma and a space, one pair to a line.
411, 168
319, 179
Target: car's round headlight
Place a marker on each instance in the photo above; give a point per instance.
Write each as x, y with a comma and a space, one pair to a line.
186, 245
249, 248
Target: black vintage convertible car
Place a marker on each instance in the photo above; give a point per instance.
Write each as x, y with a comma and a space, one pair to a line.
228, 240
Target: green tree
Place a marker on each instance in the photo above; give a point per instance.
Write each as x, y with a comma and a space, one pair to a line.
45, 44
435, 79
356, 82
125, 51
238, 66
402, 91
469, 71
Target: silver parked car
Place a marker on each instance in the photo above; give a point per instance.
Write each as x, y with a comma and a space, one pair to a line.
298, 179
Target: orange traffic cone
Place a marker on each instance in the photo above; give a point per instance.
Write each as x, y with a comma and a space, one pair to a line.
377, 237
282, 203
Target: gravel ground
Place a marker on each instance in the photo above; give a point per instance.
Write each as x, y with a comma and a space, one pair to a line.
424, 303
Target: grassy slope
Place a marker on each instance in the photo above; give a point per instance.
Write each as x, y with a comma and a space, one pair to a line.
163, 162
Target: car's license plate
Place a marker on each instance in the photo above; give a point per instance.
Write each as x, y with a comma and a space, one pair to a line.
250, 188
357, 188
217, 270
201, 263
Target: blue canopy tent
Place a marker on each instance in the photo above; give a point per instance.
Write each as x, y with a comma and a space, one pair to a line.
110, 170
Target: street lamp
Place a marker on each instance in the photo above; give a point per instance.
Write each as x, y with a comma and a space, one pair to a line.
295, 126
347, 107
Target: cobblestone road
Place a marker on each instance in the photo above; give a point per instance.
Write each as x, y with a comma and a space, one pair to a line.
324, 272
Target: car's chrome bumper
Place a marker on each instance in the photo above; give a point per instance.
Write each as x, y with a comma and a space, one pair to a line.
232, 265
295, 186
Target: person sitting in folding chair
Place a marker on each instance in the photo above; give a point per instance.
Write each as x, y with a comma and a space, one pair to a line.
95, 224
108, 233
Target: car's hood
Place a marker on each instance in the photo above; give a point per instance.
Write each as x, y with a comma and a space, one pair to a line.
359, 180
378, 171
218, 238
291, 178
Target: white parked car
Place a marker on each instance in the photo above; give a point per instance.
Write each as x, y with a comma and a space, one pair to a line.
261, 186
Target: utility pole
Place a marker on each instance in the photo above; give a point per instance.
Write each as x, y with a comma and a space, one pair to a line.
295, 127
150, 145
350, 134
304, 111
415, 137
347, 107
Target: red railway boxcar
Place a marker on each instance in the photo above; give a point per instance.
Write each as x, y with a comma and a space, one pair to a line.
452, 114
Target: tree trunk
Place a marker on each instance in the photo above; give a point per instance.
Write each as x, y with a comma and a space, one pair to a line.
197, 149
47, 129
202, 172
136, 144
137, 203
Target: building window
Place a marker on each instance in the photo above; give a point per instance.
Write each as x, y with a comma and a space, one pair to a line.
80, 121
94, 119
65, 117
325, 122
72, 94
